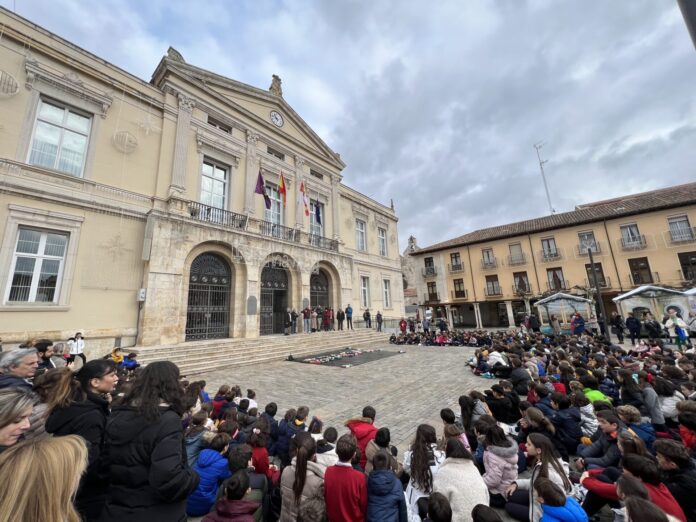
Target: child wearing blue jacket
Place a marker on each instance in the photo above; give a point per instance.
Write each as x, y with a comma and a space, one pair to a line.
555, 505
385, 495
212, 468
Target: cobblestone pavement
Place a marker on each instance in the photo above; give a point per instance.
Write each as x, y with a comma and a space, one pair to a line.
406, 390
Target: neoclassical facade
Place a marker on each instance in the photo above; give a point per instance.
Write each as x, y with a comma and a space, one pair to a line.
133, 211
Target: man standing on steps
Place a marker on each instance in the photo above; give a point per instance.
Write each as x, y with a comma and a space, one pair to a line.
306, 316
288, 321
378, 318
349, 318
340, 317
367, 318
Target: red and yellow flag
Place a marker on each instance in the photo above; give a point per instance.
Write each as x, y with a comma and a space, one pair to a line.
281, 188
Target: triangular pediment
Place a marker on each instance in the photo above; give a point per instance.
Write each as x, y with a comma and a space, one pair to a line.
253, 103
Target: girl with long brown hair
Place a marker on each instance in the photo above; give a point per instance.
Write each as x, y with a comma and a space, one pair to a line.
303, 479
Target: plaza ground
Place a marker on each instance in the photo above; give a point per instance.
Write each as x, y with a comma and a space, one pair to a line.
406, 390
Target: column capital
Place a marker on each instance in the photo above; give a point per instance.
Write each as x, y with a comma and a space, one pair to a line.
185, 103
252, 138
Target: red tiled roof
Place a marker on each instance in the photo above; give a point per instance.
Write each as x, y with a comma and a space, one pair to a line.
676, 196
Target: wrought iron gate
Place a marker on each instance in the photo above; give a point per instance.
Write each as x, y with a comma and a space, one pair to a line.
208, 314
274, 299
319, 290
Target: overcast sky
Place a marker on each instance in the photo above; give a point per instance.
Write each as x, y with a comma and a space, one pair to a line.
437, 105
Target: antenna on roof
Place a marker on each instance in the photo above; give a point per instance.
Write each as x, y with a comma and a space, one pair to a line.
538, 146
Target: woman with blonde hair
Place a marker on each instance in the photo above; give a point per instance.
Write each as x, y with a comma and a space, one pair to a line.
45, 474
16, 405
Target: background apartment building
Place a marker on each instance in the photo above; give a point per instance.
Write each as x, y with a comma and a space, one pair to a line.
131, 212
490, 277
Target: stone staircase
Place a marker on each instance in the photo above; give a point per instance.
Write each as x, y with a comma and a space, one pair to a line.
197, 357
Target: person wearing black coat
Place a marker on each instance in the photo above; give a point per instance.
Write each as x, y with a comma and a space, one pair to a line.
519, 377
385, 497
501, 406
83, 410
633, 326
678, 474
566, 420
145, 455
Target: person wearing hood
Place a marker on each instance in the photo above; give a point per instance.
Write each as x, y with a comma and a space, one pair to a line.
146, 461
232, 507
556, 505
678, 474
18, 367
460, 482
213, 469
385, 496
364, 430
500, 462
194, 441
79, 405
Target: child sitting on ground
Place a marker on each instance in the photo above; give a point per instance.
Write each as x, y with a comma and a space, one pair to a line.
232, 507
556, 506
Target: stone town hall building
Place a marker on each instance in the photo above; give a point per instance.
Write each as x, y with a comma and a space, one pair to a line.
130, 212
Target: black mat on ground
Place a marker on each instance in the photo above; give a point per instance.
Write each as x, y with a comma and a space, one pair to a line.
345, 358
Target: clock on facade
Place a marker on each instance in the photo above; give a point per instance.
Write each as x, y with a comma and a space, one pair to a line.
277, 119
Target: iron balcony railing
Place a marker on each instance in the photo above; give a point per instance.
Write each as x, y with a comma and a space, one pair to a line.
687, 274
644, 278
487, 264
519, 288
682, 235
455, 268
634, 243
460, 294
557, 286
595, 247
547, 256
603, 281
492, 290
217, 216
431, 298
518, 259
429, 271
228, 219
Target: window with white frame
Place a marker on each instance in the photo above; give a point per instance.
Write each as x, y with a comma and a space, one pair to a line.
37, 266
360, 239
61, 136
214, 184
680, 229
275, 213
365, 291
386, 290
382, 240
315, 228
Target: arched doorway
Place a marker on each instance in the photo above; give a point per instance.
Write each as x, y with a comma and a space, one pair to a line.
319, 290
274, 299
208, 311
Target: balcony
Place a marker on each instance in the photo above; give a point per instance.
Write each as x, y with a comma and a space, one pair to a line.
683, 235
453, 269
429, 271
431, 298
557, 286
548, 256
634, 243
460, 294
490, 263
595, 247
516, 260
232, 220
493, 291
644, 278
522, 289
688, 274
604, 282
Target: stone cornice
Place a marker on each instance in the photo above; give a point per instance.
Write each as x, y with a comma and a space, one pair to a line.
67, 82
216, 143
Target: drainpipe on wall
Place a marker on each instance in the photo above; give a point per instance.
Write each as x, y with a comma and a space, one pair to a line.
611, 251
536, 275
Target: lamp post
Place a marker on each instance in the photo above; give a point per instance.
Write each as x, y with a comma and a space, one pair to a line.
607, 328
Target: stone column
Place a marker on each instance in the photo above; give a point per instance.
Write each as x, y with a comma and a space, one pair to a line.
335, 199
299, 205
183, 125
477, 315
251, 172
510, 313
527, 306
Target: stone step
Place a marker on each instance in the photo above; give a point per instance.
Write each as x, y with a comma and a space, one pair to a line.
203, 356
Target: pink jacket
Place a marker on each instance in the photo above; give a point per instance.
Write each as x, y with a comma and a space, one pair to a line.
501, 467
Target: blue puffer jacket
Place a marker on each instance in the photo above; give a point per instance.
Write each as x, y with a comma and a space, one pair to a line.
645, 432
212, 468
385, 497
286, 431
194, 444
571, 512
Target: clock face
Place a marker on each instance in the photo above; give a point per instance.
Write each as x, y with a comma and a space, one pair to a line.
277, 119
